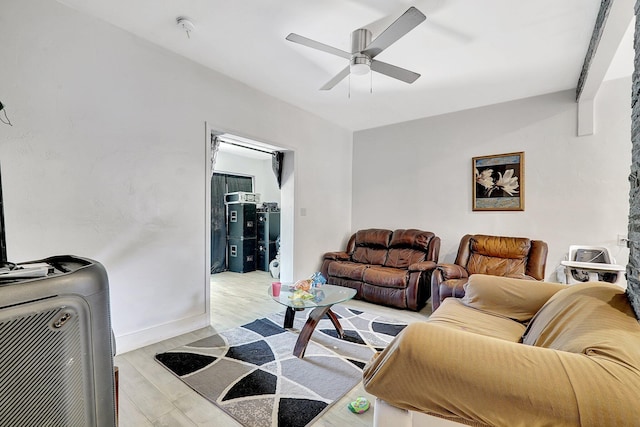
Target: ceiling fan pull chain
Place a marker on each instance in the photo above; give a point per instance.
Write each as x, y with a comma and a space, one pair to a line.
370, 82
349, 95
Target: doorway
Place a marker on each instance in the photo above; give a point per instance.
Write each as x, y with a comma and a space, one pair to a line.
236, 177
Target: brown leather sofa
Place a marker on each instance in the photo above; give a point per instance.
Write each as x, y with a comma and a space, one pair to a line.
386, 267
515, 257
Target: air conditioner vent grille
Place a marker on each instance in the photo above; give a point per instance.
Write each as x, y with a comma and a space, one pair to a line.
43, 370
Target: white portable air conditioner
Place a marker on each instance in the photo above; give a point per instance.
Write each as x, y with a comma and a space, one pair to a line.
56, 350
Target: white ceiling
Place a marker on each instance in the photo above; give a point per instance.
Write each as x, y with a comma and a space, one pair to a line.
470, 53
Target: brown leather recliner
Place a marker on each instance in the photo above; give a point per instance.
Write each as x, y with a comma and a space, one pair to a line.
516, 257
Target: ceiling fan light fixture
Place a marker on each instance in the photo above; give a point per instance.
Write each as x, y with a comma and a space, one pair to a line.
360, 65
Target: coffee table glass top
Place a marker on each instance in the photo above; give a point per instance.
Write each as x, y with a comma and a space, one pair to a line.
324, 295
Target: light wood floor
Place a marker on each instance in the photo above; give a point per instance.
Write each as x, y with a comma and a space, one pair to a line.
151, 396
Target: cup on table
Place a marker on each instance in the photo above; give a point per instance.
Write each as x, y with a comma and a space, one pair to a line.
275, 288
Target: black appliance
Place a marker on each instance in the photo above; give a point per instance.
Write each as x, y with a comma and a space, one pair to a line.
268, 232
241, 237
241, 254
241, 220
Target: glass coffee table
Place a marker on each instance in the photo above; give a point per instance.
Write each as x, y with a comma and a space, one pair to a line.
323, 298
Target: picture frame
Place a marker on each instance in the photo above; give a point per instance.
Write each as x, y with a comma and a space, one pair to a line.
498, 182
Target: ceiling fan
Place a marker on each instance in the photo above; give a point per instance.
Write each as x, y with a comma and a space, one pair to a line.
364, 50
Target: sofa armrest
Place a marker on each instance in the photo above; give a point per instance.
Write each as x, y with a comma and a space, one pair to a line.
537, 259
338, 256
518, 299
442, 273
452, 271
422, 266
475, 378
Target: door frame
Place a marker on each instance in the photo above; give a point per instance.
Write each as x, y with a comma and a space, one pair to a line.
287, 209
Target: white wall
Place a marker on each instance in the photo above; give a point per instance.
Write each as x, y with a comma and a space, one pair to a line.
265, 181
107, 159
418, 174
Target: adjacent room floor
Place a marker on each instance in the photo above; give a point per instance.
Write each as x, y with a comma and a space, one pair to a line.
151, 396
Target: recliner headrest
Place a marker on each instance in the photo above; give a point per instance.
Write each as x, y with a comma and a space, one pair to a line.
373, 237
500, 247
414, 239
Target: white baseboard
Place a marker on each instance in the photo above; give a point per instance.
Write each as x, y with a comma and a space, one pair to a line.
138, 339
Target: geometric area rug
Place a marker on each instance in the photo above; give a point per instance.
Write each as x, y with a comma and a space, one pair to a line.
250, 372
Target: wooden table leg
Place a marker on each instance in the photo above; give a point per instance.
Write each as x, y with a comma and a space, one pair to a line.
308, 328
336, 323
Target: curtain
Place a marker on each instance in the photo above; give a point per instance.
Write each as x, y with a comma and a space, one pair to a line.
239, 183
276, 165
221, 184
218, 224
215, 145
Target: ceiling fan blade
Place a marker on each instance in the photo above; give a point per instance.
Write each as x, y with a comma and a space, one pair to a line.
407, 22
337, 79
393, 71
296, 38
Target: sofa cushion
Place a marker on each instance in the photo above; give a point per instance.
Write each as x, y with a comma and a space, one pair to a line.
453, 313
517, 299
591, 318
348, 283
482, 264
347, 269
371, 246
408, 247
395, 297
386, 277
501, 247
366, 255
403, 258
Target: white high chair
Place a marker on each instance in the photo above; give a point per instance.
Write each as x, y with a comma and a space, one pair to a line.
592, 264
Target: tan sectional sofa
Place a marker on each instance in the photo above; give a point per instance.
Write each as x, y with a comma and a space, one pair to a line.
514, 352
386, 267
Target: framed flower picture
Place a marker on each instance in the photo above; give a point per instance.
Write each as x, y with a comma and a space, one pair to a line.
498, 182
